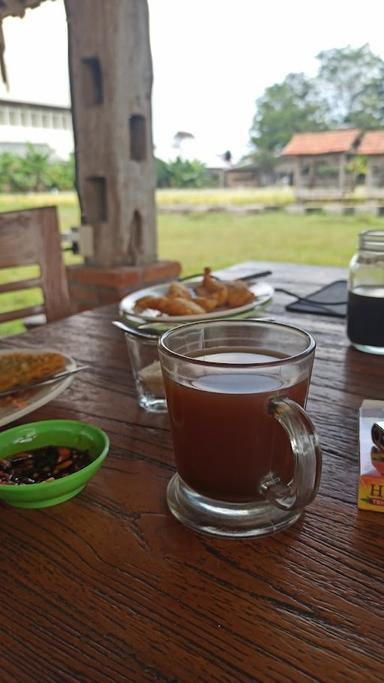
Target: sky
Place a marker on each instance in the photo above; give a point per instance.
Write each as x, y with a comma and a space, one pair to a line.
211, 60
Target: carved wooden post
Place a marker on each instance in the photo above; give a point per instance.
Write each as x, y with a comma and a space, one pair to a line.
111, 82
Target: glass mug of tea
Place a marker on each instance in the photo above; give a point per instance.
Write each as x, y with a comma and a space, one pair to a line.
247, 455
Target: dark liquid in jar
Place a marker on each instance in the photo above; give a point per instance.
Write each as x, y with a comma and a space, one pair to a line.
365, 316
225, 439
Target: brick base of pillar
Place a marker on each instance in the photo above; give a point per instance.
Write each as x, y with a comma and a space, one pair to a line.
91, 286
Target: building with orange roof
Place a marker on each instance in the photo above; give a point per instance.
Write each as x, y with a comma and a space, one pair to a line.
372, 147
316, 164
324, 142
322, 159
326, 159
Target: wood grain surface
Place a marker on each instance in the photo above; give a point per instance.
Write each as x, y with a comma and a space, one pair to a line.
109, 587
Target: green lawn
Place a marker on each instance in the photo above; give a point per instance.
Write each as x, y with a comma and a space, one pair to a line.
221, 239
218, 239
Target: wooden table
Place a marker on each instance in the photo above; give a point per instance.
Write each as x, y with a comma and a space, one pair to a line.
109, 587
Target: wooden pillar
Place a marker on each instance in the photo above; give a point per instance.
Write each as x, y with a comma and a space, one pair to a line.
111, 83
312, 173
369, 178
342, 161
297, 173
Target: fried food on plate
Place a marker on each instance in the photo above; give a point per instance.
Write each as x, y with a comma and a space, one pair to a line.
207, 296
179, 290
150, 301
170, 305
210, 287
238, 294
209, 303
17, 369
176, 306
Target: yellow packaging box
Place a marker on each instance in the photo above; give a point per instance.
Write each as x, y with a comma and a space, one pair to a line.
371, 482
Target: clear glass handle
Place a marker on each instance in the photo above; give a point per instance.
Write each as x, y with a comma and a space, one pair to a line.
306, 452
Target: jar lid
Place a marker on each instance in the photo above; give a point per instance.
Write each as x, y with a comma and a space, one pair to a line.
371, 240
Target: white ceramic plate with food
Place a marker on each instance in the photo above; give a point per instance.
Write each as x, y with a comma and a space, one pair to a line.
262, 291
18, 405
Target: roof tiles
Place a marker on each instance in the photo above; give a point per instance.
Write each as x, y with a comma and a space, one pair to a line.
372, 143
326, 142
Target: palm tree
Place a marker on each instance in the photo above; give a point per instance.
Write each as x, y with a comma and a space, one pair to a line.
36, 167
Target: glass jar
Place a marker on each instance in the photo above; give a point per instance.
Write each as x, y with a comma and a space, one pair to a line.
365, 310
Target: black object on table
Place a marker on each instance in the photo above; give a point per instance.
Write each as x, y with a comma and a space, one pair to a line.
329, 300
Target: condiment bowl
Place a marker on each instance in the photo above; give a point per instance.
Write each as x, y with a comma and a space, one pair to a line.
69, 433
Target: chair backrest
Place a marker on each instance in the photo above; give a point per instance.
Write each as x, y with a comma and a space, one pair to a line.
32, 237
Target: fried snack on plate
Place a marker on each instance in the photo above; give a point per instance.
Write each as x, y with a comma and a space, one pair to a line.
150, 301
177, 306
238, 294
176, 289
209, 303
17, 369
170, 305
207, 296
210, 287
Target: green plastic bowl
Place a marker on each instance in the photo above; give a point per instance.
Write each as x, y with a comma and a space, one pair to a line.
68, 433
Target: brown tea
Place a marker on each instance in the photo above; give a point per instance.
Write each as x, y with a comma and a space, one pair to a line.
225, 438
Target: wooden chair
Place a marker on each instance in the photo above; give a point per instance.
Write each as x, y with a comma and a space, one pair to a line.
32, 237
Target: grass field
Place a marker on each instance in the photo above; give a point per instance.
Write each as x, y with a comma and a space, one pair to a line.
218, 239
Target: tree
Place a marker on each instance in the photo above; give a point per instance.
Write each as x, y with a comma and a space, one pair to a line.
36, 168
180, 137
351, 82
163, 175
12, 177
348, 91
227, 157
285, 108
186, 173
61, 174
35, 172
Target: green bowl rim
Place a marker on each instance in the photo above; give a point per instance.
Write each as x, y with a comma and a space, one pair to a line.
50, 484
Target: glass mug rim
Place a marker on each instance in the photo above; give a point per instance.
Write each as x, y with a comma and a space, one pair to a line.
255, 364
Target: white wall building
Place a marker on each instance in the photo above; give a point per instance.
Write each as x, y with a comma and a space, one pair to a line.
45, 126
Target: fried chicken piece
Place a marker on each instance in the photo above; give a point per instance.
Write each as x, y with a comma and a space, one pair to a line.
176, 289
150, 301
209, 303
170, 305
177, 306
238, 294
210, 287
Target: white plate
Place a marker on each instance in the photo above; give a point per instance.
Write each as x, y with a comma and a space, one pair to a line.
41, 395
262, 290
